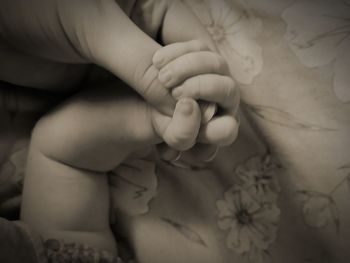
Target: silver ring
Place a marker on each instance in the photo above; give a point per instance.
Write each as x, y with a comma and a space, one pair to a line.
212, 157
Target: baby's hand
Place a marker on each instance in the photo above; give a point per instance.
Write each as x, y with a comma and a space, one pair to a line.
191, 70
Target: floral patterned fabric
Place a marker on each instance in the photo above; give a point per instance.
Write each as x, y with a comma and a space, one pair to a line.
233, 209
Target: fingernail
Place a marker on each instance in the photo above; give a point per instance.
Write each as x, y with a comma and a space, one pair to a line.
186, 107
208, 111
164, 75
177, 92
166, 153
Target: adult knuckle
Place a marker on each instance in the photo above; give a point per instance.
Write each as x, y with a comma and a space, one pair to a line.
230, 89
232, 93
230, 82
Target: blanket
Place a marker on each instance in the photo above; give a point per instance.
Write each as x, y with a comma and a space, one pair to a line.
244, 206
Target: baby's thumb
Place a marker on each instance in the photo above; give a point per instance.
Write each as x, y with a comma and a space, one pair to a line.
179, 132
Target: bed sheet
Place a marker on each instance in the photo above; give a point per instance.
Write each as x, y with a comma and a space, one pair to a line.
245, 206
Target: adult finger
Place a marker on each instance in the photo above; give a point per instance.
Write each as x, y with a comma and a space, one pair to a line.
85, 31
179, 132
210, 87
219, 131
192, 64
170, 52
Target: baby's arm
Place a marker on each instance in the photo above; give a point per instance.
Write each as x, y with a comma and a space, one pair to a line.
66, 193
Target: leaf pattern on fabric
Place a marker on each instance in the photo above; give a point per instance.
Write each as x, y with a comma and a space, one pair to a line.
318, 32
134, 184
319, 209
345, 166
233, 29
188, 233
283, 118
347, 179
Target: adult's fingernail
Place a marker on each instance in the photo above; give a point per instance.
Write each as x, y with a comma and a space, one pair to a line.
177, 92
186, 107
164, 75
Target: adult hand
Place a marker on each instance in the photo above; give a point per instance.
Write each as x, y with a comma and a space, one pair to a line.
42, 39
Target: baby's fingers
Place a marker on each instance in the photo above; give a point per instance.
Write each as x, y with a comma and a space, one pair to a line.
180, 132
170, 52
192, 64
212, 88
219, 131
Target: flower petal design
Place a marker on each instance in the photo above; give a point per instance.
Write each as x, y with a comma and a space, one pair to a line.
258, 256
249, 224
224, 208
233, 238
234, 29
315, 30
258, 176
225, 222
134, 184
319, 210
242, 54
318, 31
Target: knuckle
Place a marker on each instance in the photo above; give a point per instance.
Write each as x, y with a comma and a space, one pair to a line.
231, 92
230, 89
230, 82
144, 77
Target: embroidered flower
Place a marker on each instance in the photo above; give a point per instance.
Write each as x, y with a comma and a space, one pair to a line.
233, 29
258, 176
319, 210
250, 224
318, 31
